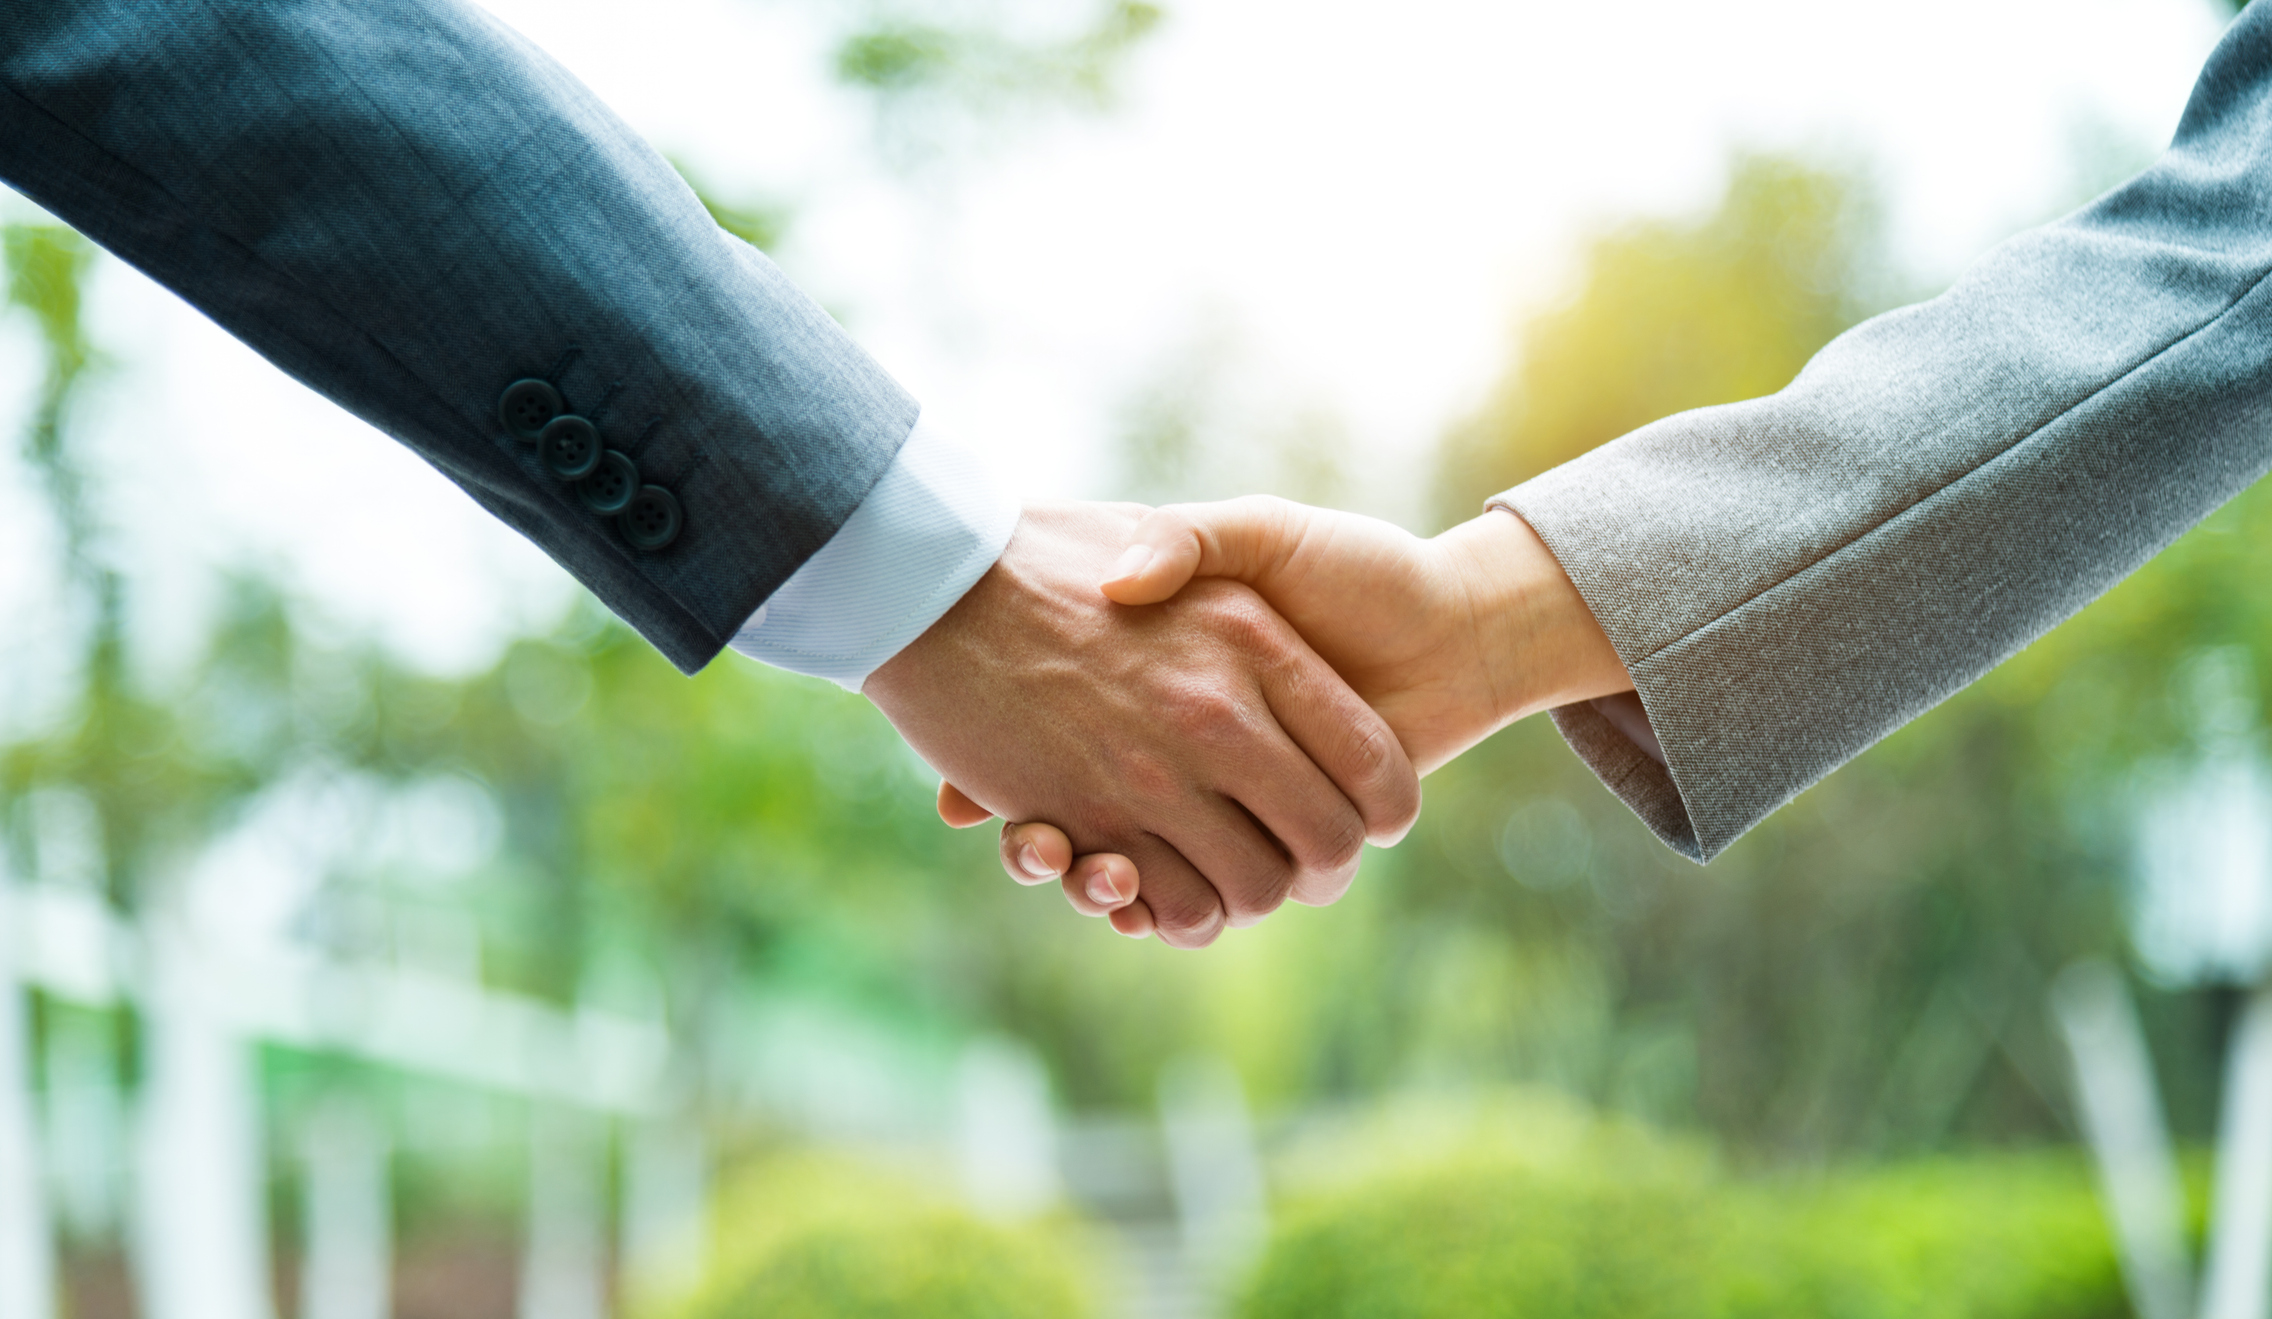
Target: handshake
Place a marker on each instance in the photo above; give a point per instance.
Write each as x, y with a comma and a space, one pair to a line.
1188, 715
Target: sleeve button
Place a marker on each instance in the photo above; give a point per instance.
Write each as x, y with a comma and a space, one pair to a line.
651, 520
570, 447
608, 490
527, 407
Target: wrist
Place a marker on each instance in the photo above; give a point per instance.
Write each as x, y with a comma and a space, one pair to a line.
1538, 640
924, 535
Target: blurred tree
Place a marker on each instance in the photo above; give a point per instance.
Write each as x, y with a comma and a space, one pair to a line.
1672, 315
986, 65
111, 748
46, 265
943, 85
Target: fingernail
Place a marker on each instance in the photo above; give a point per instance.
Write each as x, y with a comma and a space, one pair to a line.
1029, 860
1132, 561
1101, 891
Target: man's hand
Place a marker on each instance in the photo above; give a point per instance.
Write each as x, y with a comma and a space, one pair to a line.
1450, 639
1200, 737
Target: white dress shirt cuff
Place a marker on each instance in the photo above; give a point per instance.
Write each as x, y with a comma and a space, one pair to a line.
924, 535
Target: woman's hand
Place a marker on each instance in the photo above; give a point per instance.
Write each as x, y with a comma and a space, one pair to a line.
1395, 615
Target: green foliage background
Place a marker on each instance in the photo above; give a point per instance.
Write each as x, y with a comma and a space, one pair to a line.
1526, 1208
1860, 979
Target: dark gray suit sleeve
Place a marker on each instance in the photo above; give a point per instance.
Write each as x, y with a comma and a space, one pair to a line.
1790, 579
408, 207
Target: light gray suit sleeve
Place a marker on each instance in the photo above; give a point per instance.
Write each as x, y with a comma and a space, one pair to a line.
1791, 578
408, 207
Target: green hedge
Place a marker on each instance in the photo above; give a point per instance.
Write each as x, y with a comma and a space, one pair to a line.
2009, 1236
1540, 1214
828, 1239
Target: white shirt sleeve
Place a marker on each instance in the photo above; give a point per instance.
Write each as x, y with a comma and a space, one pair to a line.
924, 535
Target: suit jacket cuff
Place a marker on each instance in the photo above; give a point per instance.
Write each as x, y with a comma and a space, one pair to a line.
922, 538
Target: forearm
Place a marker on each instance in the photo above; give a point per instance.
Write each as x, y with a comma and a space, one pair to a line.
1787, 580
407, 207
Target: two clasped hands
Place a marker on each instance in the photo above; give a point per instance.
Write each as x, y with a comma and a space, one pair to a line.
1190, 715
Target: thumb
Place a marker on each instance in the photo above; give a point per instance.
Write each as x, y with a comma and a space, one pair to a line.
1240, 538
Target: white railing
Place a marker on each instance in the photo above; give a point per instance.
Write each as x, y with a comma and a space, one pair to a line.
199, 1232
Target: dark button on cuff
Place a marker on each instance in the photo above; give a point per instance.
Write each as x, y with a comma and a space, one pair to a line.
652, 519
527, 407
570, 447
608, 490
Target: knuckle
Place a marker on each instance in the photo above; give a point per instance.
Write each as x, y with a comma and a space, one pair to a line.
1344, 844
1330, 873
1146, 775
1170, 520
1208, 715
1193, 936
1251, 911
1183, 908
1255, 895
1388, 791
1229, 613
1369, 752
1321, 890
1376, 761
1187, 920
1262, 508
1327, 846
1241, 619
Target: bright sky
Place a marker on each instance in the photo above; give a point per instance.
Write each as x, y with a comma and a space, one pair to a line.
1359, 198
